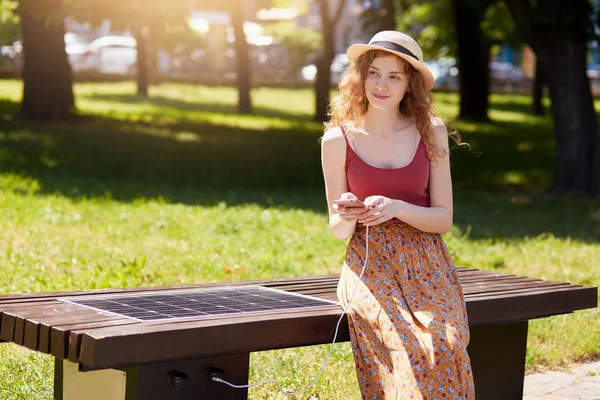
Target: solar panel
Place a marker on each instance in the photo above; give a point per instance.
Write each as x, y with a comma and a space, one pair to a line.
193, 303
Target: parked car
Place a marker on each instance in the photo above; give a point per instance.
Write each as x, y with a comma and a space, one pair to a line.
112, 55
339, 65
77, 50
11, 56
506, 74
593, 73
445, 73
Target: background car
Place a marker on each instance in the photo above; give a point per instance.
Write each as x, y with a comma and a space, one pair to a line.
339, 65
506, 74
112, 55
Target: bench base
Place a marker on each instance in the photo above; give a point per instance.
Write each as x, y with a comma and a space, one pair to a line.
497, 355
184, 379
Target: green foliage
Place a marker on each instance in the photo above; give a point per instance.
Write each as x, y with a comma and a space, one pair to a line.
499, 26
9, 21
431, 24
573, 17
301, 42
179, 37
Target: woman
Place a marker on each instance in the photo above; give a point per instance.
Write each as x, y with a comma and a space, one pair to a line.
384, 146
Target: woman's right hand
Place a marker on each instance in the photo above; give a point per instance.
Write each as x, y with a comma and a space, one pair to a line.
349, 214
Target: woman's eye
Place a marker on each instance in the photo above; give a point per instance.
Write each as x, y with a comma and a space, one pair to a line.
373, 72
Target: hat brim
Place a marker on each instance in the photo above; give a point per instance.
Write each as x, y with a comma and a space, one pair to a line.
357, 50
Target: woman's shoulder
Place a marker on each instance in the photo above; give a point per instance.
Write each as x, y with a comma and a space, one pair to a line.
437, 123
440, 132
333, 136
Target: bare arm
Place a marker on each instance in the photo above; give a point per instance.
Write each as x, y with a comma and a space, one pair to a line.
342, 220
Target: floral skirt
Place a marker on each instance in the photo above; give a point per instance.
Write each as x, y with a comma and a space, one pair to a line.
408, 321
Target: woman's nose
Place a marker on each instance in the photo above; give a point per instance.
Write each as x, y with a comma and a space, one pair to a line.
380, 84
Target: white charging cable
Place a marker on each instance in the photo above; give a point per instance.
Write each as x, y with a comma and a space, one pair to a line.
287, 391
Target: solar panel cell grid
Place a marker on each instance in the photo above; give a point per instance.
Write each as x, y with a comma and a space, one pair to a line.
198, 303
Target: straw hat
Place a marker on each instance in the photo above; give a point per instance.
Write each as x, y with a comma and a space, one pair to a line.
399, 44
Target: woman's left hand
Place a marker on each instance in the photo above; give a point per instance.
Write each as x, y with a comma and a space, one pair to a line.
379, 210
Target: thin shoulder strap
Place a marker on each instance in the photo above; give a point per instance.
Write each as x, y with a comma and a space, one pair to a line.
344, 133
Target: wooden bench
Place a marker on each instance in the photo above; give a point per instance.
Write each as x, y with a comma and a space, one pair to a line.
104, 356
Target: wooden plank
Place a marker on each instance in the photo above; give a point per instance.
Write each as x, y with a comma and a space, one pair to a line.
468, 281
523, 306
7, 329
19, 331
106, 347
492, 290
34, 336
496, 281
59, 334
44, 339
73, 344
519, 291
63, 311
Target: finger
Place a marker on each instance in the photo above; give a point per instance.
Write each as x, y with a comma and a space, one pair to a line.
352, 216
368, 212
370, 218
377, 221
354, 210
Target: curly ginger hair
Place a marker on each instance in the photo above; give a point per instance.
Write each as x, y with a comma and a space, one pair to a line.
352, 103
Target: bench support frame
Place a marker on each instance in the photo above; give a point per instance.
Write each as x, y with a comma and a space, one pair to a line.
497, 355
184, 379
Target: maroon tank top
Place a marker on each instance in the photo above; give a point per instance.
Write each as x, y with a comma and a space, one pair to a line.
409, 183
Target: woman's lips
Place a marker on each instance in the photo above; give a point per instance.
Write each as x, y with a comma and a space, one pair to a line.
379, 97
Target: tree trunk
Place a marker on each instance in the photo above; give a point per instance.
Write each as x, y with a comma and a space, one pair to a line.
538, 89
473, 61
323, 80
562, 54
577, 163
323, 64
141, 37
388, 18
242, 59
47, 78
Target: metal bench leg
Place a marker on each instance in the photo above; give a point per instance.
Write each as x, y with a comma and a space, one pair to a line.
177, 380
71, 384
497, 355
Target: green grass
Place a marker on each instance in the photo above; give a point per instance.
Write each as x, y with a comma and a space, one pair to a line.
180, 189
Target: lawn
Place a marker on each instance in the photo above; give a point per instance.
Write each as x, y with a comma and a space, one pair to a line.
178, 188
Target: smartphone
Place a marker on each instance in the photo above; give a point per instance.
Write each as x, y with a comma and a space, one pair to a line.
349, 203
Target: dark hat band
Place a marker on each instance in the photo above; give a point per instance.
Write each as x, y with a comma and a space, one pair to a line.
395, 47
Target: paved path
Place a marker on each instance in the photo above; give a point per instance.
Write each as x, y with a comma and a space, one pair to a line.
581, 382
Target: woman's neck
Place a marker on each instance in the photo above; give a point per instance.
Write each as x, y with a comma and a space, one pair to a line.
383, 122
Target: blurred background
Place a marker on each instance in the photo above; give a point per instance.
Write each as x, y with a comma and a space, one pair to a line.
283, 37
162, 142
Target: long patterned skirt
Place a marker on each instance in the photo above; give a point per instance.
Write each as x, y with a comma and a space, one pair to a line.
408, 320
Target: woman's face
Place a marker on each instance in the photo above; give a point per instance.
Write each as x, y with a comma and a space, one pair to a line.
386, 82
